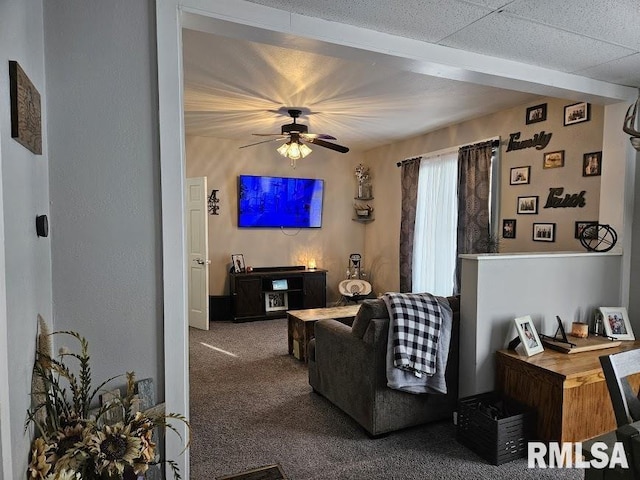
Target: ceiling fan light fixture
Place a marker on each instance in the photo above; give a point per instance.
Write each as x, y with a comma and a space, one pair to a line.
304, 150
283, 149
294, 150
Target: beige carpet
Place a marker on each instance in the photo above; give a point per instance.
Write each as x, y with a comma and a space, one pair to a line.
251, 406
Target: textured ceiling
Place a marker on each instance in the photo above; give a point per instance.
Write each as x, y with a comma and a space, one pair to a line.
234, 88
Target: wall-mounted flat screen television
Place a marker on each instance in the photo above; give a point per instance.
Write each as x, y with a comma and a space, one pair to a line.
279, 202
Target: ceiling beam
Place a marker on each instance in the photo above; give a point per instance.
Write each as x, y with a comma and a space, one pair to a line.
258, 23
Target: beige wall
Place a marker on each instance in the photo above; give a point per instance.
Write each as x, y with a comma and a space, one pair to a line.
381, 243
575, 140
221, 161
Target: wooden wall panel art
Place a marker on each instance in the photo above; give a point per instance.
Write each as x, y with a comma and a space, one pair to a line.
26, 124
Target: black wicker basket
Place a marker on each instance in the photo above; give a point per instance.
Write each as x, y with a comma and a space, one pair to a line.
495, 427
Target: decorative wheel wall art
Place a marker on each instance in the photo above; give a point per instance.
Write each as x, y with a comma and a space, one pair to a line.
598, 238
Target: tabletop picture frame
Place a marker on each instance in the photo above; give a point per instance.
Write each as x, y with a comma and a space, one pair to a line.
276, 301
616, 323
528, 335
237, 260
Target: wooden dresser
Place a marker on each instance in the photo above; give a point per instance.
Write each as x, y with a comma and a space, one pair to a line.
568, 391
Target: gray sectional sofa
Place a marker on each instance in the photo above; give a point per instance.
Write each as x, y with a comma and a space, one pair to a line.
347, 365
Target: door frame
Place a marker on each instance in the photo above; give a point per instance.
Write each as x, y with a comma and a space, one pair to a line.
241, 19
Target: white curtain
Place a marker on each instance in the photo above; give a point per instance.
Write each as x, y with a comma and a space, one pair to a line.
434, 245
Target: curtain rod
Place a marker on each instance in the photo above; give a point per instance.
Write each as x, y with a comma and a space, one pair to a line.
408, 160
495, 143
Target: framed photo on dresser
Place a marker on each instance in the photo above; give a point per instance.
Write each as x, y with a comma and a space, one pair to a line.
616, 323
528, 335
237, 260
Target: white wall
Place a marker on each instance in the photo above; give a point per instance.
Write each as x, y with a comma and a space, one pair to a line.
498, 288
105, 187
25, 272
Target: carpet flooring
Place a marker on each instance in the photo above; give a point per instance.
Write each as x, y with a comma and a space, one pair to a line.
251, 405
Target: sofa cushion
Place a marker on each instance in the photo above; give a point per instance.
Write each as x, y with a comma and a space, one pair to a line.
454, 303
368, 309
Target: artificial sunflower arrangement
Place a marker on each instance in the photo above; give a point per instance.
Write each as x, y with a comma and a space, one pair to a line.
75, 441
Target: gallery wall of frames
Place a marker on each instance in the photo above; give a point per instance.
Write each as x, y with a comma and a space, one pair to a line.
551, 164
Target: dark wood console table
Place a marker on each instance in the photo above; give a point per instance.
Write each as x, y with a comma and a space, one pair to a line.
568, 391
269, 292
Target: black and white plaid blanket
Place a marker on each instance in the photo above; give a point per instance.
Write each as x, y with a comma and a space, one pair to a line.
415, 320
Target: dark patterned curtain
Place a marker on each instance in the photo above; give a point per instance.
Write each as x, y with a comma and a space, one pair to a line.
474, 167
409, 183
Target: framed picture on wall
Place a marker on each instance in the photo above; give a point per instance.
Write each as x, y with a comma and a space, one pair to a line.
553, 159
592, 164
527, 205
26, 114
519, 175
528, 335
581, 225
577, 113
544, 232
537, 113
508, 228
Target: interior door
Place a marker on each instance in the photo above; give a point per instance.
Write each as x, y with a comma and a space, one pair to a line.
198, 252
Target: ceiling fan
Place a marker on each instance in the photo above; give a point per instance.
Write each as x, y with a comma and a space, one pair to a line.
297, 136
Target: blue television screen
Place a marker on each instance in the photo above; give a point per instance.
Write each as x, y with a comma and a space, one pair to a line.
279, 202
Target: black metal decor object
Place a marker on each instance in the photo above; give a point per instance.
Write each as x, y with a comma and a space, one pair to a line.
598, 238
213, 203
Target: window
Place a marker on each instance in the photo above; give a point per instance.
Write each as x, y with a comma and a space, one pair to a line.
434, 246
435, 233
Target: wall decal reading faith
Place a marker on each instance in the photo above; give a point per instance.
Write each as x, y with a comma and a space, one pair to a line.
539, 140
571, 200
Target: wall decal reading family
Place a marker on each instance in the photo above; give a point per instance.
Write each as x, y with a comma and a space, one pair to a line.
539, 140
572, 200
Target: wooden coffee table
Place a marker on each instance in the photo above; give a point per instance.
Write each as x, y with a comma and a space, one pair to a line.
301, 325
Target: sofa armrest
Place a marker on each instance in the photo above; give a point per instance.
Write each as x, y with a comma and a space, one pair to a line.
330, 325
341, 358
334, 342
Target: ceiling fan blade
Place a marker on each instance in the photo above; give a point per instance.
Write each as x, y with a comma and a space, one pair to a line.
264, 141
324, 136
332, 146
267, 134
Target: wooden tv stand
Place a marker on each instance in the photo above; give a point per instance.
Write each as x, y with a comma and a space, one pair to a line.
251, 292
568, 391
